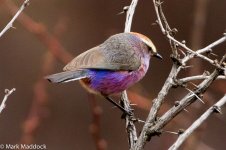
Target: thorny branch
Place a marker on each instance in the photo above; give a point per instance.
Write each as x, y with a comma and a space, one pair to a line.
199, 77
10, 24
153, 126
214, 109
130, 127
7, 94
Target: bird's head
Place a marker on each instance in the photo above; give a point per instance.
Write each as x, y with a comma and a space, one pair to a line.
148, 43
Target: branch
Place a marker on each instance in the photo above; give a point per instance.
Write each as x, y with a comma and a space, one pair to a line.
197, 123
7, 94
155, 108
186, 101
10, 24
199, 77
153, 125
212, 45
129, 15
130, 127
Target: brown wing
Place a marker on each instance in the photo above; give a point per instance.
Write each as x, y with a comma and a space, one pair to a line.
107, 56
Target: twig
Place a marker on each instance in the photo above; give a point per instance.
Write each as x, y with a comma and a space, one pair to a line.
131, 129
153, 125
10, 24
7, 94
212, 45
199, 77
129, 15
142, 139
197, 123
155, 129
191, 51
157, 102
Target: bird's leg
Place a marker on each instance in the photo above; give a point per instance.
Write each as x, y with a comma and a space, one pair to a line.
117, 105
130, 110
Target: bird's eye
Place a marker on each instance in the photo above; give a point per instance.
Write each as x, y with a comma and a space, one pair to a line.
150, 49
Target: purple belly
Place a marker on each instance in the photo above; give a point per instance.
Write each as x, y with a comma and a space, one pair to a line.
109, 82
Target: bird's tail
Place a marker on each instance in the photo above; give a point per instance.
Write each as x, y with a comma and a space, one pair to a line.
67, 76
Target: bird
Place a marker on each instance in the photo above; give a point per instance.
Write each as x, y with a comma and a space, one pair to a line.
111, 67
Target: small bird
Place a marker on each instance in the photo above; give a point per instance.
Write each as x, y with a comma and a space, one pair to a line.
111, 67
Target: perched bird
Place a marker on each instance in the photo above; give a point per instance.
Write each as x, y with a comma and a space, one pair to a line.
111, 67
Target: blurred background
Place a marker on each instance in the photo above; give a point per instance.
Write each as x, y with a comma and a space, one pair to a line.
49, 33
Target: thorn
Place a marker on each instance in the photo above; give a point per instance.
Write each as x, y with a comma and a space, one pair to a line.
182, 52
13, 27
171, 132
133, 104
124, 10
196, 96
186, 110
217, 109
185, 67
140, 121
193, 84
154, 23
214, 54
113, 107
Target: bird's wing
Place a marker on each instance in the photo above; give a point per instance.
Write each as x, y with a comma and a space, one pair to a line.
99, 58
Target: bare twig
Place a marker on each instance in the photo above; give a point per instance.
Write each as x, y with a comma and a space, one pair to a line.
131, 129
154, 109
7, 94
129, 15
10, 24
186, 101
199, 77
212, 45
153, 125
197, 123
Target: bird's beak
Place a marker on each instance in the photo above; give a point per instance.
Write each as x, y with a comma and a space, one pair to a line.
157, 55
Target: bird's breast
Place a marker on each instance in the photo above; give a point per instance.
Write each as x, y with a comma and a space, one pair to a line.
110, 82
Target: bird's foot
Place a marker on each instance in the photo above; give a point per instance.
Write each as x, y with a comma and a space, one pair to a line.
125, 112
